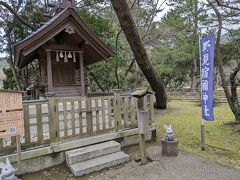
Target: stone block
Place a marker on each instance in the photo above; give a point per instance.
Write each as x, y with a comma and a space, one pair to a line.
169, 148
90, 152
99, 163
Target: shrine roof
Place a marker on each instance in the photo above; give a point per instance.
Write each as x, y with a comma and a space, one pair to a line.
84, 38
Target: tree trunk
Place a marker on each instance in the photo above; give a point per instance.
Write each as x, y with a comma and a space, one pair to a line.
130, 30
14, 71
195, 41
194, 77
220, 64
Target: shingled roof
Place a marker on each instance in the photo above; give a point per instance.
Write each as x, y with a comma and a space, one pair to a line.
94, 49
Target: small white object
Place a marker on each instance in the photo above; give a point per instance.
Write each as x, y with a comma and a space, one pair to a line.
169, 136
69, 55
61, 54
74, 57
65, 57
7, 171
69, 30
168, 129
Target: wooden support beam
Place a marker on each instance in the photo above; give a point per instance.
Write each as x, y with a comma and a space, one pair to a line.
82, 74
49, 71
140, 104
62, 47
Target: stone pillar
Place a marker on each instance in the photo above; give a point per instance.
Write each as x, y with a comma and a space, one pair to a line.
49, 71
82, 74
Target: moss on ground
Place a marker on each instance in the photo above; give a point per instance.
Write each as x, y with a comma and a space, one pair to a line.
222, 142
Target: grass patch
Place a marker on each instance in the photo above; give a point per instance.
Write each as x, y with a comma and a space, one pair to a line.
222, 143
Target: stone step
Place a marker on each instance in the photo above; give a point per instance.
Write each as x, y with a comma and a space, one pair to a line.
56, 88
66, 90
68, 95
90, 152
98, 163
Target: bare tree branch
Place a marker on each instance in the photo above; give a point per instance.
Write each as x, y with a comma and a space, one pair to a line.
9, 8
226, 6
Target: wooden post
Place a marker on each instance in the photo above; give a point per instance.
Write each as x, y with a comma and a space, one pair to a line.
89, 116
26, 124
39, 123
117, 109
53, 123
49, 70
82, 74
143, 120
19, 158
42, 67
151, 104
140, 104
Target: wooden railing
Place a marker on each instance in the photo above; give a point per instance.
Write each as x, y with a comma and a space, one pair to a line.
56, 120
100, 94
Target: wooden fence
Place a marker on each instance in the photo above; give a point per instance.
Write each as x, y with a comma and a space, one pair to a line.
59, 119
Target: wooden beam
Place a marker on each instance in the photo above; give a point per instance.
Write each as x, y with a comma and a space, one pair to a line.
49, 71
62, 47
82, 74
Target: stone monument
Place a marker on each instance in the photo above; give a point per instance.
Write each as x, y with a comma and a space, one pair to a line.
169, 142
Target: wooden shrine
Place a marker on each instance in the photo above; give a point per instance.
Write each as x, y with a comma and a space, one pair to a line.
63, 46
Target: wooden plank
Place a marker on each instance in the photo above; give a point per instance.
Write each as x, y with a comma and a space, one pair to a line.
151, 108
103, 114
1, 143
141, 106
39, 122
109, 113
49, 71
65, 119
133, 111
13, 141
80, 117
125, 111
53, 124
27, 134
19, 157
10, 100
145, 102
56, 106
73, 118
117, 110
89, 117
82, 74
97, 115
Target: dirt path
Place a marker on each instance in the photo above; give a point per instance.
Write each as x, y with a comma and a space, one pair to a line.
184, 167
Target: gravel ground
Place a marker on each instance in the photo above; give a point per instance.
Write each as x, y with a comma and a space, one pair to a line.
184, 167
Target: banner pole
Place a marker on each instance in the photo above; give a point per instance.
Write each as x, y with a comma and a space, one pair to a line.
203, 136
202, 125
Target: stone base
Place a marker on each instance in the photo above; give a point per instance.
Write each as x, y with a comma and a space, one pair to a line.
45, 157
169, 148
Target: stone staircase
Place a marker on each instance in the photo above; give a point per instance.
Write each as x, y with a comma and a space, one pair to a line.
67, 91
95, 157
